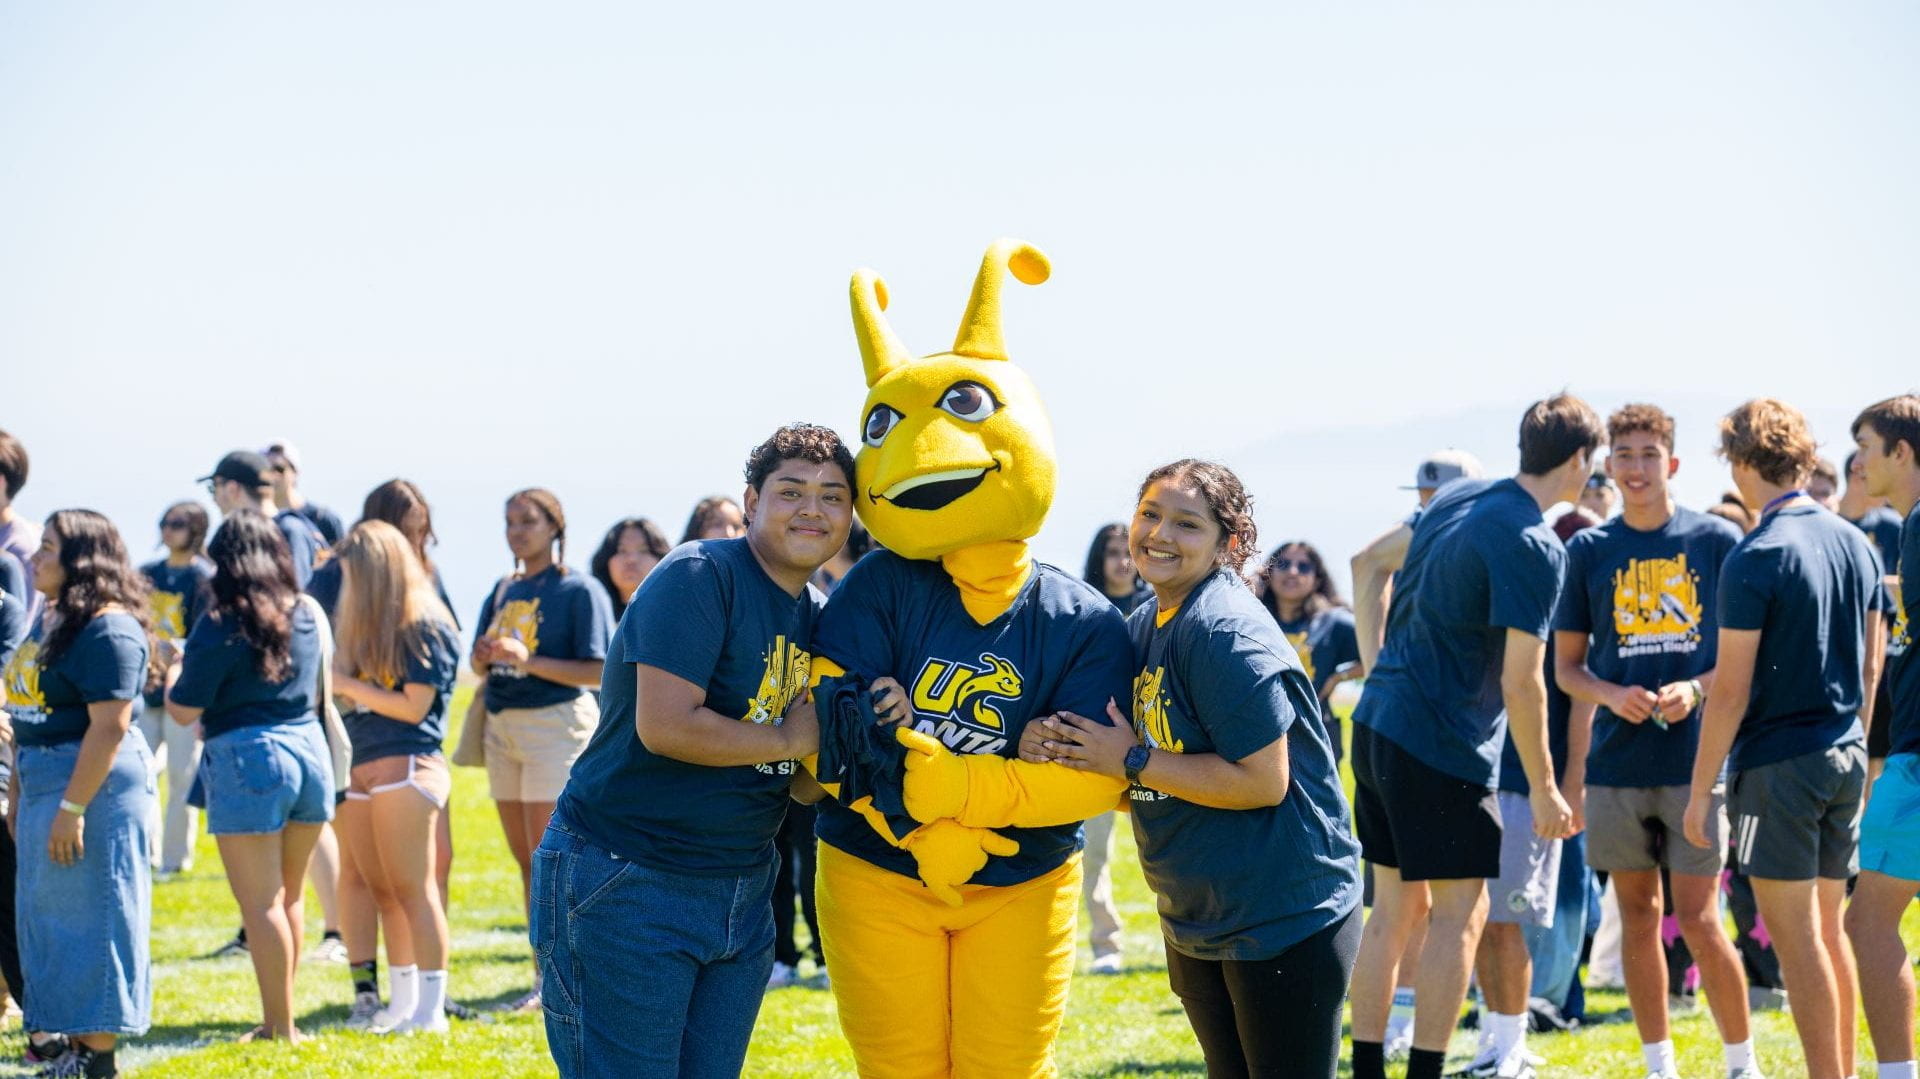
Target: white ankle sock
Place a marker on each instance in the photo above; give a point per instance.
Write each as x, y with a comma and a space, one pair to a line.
433, 997
403, 987
1738, 1055
1899, 1070
1509, 1033
1660, 1057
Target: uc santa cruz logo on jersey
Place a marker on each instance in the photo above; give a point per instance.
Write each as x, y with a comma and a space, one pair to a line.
956, 697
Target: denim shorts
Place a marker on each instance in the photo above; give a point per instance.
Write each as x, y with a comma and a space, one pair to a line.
645, 971
260, 778
84, 927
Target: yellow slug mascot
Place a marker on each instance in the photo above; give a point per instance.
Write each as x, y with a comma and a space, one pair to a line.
951, 950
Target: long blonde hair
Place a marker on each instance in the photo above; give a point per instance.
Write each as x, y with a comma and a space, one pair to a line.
387, 603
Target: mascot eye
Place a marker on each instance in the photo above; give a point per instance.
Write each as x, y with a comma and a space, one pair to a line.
969, 401
880, 423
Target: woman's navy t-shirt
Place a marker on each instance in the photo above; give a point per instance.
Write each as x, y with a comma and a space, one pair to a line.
1324, 642
557, 615
1805, 579
710, 615
220, 673
179, 596
1219, 677
435, 662
327, 579
107, 661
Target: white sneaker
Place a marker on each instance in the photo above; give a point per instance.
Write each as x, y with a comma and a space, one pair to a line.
1109, 963
365, 1007
386, 1021
329, 950
782, 976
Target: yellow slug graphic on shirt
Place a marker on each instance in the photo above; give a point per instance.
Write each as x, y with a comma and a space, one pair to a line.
958, 690
168, 611
23, 677
785, 676
1305, 651
1656, 606
1900, 637
1150, 703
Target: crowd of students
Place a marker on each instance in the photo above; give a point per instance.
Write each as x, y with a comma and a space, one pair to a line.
1633, 689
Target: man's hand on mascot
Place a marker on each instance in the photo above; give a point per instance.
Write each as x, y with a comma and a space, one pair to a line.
948, 854
889, 700
800, 728
936, 783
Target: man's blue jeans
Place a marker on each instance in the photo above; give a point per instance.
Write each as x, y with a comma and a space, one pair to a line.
1556, 951
645, 972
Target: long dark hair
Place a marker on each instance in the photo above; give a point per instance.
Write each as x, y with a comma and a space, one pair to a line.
610, 545
1096, 571
253, 588
1325, 595
97, 574
196, 517
391, 502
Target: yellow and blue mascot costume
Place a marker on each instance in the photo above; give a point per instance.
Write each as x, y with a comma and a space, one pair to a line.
964, 971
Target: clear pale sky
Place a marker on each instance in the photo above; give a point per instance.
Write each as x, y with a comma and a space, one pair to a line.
604, 249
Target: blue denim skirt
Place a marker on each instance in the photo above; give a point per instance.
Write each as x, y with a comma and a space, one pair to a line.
84, 928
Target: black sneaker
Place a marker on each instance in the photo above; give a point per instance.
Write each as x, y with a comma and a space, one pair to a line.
236, 946
46, 1052
81, 1063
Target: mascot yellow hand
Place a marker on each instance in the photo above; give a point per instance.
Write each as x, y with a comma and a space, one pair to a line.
936, 782
949, 854
985, 791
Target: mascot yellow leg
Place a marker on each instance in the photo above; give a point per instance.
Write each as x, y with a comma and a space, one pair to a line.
930, 991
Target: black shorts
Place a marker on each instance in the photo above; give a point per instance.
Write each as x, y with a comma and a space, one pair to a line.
1419, 820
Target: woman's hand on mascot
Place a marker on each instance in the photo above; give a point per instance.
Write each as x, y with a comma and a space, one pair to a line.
948, 854
1096, 747
1040, 740
935, 786
889, 700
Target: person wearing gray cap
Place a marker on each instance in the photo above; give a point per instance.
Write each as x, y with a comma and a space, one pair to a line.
286, 492
244, 479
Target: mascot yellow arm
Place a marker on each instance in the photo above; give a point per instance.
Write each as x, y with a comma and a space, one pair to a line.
986, 791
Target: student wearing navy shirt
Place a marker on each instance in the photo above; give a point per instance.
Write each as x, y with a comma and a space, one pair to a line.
250, 677
652, 911
285, 462
1636, 634
83, 891
541, 645
244, 480
1236, 801
1881, 525
1464, 653
398, 654
1294, 585
1888, 436
1800, 640
180, 588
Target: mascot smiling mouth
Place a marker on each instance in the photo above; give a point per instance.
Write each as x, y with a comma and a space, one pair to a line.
934, 490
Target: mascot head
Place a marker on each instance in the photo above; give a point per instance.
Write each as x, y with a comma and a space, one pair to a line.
957, 448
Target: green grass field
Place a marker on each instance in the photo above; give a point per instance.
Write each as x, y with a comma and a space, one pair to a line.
1125, 1025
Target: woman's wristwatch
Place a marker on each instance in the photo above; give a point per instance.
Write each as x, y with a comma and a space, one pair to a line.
1136, 760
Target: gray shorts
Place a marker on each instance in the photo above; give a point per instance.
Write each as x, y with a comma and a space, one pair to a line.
1632, 829
1799, 818
1529, 880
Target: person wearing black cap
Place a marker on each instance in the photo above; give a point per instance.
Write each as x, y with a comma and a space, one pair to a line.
286, 492
244, 479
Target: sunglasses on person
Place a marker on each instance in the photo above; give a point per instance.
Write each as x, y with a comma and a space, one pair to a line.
1598, 483
1302, 566
172, 523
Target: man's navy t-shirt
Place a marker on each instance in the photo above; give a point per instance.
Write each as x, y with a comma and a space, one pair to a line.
1645, 600
1481, 562
1061, 647
303, 544
708, 613
1903, 667
1805, 578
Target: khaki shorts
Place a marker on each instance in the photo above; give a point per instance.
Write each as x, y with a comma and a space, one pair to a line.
426, 773
1634, 829
530, 751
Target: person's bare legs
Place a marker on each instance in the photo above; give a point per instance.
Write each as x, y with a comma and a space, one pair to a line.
1792, 910
265, 873
1505, 967
443, 856
517, 820
1642, 959
1696, 906
1886, 978
1453, 936
1832, 896
403, 834
359, 911
1399, 908
324, 874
